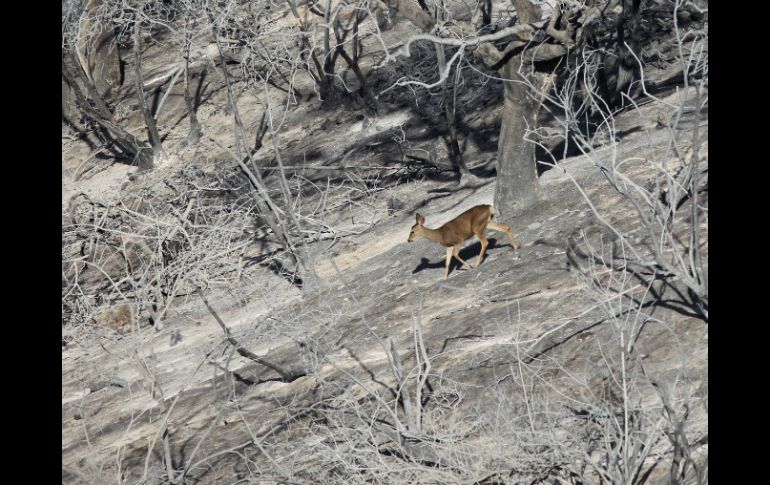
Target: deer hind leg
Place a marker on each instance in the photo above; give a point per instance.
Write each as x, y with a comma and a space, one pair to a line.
484, 244
507, 230
457, 248
448, 260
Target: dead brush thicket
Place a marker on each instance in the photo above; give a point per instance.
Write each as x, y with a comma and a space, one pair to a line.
600, 404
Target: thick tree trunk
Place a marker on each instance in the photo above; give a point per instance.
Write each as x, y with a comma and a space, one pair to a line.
517, 184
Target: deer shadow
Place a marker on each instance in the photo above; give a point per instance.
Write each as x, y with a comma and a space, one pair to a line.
469, 254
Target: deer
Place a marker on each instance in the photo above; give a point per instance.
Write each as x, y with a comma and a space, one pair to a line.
474, 221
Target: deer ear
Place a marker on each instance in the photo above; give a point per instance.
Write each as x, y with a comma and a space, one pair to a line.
420, 219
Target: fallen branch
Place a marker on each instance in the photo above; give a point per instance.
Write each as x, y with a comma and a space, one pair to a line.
515, 297
286, 376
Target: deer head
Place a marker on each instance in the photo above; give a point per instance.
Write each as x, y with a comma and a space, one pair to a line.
416, 230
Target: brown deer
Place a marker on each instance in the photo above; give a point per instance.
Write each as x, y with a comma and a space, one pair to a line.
475, 220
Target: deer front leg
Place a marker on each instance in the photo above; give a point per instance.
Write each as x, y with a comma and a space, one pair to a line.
448, 260
507, 230
484, 244
457, 255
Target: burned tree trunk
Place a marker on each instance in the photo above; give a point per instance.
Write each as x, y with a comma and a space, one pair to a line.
532, 42
517, 185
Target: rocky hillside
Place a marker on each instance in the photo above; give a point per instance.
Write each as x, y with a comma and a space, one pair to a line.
559, 362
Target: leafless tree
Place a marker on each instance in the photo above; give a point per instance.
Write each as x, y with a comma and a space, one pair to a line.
95, 70
670, 208
531, 46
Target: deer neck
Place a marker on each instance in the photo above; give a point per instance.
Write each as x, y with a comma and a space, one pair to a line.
432, 234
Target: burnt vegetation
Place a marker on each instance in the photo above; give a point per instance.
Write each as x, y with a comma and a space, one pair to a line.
263, 163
